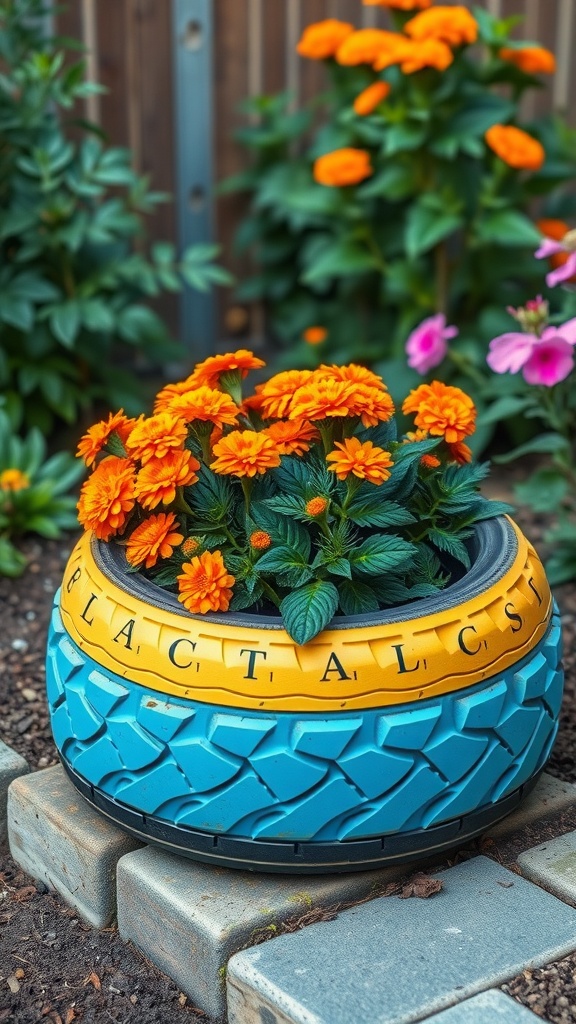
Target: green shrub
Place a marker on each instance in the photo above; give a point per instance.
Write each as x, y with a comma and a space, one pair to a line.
72, 282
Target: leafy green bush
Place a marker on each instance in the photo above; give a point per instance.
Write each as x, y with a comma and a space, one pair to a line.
34, 494
71, 280
435, 223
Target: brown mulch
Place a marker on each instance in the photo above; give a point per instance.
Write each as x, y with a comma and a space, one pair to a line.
57, 969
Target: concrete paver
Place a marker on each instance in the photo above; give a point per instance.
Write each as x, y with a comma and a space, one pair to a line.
12, 765
549, 797
553, 865
190, 918
491, 1007
394, 961
56, 837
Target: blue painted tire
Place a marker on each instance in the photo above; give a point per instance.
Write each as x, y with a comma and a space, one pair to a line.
303, 791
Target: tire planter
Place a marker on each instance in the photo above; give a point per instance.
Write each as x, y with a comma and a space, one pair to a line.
389, 737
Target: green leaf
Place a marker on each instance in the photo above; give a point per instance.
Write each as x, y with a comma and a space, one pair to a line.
65, 322
425, 227
356, 597
508, 227
380, 554
12, 563
548, 443
546, 489
373, 511
211, 497
446, 541
340, 259
309, 609
286, 563
16, 311
288, 505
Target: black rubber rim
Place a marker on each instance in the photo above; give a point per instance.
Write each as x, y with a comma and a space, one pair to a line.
492, 548
302, 857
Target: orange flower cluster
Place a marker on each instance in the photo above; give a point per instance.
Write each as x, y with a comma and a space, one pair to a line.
455, 26
533, 60
214, 367
342, 167
107, 497
96, 439
364, 460
516, 147
155, 538
315, 335
323, 38
14, 480
245, 453
442, 411
292, 437
364, 46
205, 584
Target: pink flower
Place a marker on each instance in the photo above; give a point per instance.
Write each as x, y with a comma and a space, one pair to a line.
566, 245
545, 360
428, 343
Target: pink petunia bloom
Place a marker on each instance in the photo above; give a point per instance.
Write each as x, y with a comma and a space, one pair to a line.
427, 345
546, 360
551, 361
549, 248
509, 352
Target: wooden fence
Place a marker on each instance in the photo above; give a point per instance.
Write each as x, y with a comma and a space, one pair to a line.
179, 119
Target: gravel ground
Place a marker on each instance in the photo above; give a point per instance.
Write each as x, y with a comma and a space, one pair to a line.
57, 969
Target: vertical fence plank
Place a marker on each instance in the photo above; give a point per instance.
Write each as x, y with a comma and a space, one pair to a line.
111, 31
565, 33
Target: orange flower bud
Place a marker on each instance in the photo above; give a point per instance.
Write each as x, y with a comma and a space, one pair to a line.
260, 540
316, 506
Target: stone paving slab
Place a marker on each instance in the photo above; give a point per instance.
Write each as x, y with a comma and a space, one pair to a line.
393, 961
553, 865
190, 918
550, 796
56, 837
12, 765
492, 1007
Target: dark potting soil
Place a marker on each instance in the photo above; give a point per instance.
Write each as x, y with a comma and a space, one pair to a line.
57, 969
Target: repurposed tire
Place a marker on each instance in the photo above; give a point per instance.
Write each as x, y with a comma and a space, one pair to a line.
314, 790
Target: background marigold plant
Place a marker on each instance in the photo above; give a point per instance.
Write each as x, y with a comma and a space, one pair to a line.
408, 189
301, 498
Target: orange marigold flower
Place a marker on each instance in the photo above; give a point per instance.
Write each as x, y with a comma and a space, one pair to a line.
292, 437
371, 97
342, 167
364, 459
107, 497
155, 436
14, 480
321, 398
398, 49
189, 546
556, 229
425, 53
278, 392
453, 25
322, 39
165, 396
460, 452
353, 372
533, 60
253, 403
205, 584
97, 437
363, 46
155, 538
158, 480
399, 5
515, 147
315, 335
430, 462
260, 540
316, 507
442, 410
207, 404
245, 453
372, 405
210, 371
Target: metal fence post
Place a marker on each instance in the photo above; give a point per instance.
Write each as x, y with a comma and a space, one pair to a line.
192, 36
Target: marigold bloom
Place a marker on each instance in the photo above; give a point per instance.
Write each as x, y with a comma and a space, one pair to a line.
352, 372
155, 436
189, 546
364, 46
364, 459
460, 452
205, 584
342, 167
155, 538
14, 480
423, 53
370, 98
442, 410
206, 404
158, 480
322, 39
533, 60
165, 396
315, 335
260, 540
107, 497
245, 453
96, 437
278, 392
399, 5
321, 398
316, 507
455, 26
292, 437
211, 369
398, 49
515, 147
372, 405
430, 462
